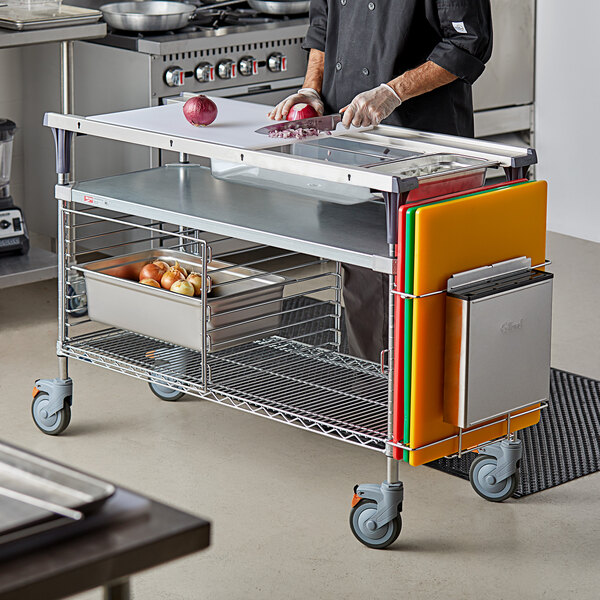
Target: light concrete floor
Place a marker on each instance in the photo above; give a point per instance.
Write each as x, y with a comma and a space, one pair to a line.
279, 497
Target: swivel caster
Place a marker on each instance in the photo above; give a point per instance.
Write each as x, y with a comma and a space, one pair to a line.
165, 393
48, 421
365, 529
76, 302
485, 483
375, 517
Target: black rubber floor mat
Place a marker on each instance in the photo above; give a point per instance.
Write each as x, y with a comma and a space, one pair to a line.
563, 446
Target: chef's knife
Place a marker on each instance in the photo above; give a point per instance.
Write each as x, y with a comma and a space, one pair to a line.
326, 123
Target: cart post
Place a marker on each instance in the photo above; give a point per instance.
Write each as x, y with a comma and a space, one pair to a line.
393, 471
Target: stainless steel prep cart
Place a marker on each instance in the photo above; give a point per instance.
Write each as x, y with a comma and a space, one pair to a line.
287, 367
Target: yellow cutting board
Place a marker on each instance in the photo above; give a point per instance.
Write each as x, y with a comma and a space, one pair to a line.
449, 238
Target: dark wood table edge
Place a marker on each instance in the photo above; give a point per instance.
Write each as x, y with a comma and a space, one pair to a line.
190, 534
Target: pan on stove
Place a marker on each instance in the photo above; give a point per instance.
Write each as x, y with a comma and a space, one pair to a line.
166, 15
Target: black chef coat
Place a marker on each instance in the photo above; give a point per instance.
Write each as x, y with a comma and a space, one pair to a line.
369, 42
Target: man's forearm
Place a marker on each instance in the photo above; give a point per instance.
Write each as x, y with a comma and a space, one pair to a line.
421, 80
314, 70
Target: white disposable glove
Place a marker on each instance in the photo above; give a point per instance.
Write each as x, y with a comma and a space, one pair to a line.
305, 95
371, 107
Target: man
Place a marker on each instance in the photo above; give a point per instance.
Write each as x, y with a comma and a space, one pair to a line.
405, 62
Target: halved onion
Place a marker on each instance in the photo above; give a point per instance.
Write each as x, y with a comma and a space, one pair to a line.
301, 111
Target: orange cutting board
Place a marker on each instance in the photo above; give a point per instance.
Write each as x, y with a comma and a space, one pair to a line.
449, 238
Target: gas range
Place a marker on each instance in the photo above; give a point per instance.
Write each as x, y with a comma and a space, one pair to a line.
220, 49
237, 24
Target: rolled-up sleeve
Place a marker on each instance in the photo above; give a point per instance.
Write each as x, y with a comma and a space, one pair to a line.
317, 30
465, 27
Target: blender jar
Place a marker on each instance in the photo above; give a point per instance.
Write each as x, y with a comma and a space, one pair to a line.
7, 133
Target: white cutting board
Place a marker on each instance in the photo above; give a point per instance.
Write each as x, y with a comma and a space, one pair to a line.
234, 126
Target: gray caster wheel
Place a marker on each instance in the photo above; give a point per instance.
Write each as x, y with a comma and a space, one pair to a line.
485, 485
379, 538
77, 306
165, 393
51, 425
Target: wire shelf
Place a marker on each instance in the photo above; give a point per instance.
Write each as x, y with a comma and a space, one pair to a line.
311, 388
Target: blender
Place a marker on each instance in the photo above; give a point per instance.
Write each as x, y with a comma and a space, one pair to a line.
13, 232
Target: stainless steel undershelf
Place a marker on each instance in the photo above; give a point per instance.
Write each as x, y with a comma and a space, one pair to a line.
190, 196
37, 265
12, 39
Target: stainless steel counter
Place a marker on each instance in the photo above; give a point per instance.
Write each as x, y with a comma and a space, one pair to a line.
13, 39
37, 265
190, 196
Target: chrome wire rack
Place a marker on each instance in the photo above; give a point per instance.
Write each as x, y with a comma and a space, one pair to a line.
309, 387
287, 368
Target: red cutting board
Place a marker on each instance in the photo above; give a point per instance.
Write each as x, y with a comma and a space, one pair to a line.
449, 238
399, 358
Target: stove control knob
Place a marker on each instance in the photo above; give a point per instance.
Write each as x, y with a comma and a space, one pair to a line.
248, 66
277, 62
205, 72
4, 224
227, 69
174, 76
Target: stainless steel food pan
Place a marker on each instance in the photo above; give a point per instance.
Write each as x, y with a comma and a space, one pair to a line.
241, 305
40, 479
439, 174
428, 166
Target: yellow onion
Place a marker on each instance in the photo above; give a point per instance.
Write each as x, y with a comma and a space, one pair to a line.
181, 269
162, 264
196, 280
152, 271
183, 287
170, 277
151, 282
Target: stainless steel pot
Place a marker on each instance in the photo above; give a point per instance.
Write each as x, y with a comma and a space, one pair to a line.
165, 15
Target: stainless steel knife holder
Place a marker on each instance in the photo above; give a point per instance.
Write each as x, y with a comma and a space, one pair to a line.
497, 349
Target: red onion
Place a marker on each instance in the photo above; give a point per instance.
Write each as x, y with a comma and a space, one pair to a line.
301, 111
200, 110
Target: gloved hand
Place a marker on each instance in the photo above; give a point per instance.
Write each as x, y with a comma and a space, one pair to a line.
305, 95
371, 107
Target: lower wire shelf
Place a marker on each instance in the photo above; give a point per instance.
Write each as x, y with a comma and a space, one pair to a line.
305, 386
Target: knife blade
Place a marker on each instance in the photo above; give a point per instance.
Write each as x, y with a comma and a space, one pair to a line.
325, 123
